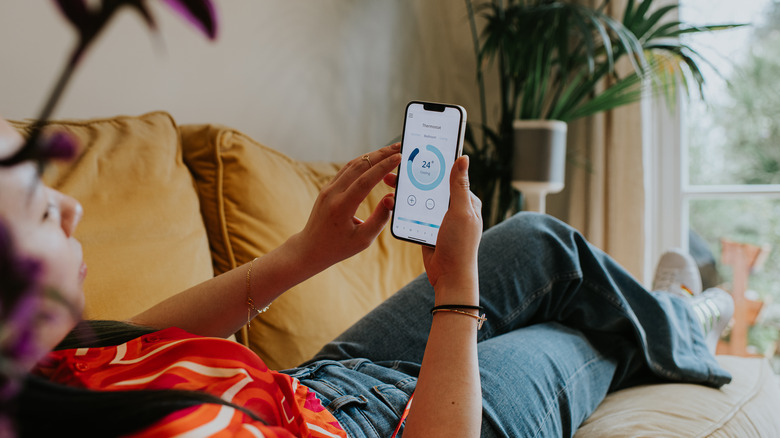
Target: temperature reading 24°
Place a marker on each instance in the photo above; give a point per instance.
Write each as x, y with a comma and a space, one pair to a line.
425, 173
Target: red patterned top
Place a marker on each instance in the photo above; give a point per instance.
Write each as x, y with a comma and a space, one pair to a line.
175, 359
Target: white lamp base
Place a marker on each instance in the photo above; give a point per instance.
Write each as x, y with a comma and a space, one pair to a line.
535, 193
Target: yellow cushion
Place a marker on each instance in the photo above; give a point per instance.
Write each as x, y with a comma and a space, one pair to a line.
142, 232
745, 408
253, 198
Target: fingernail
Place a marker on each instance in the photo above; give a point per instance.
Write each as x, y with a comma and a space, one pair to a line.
396, 146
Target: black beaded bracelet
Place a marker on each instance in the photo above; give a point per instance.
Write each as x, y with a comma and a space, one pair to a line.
455, 307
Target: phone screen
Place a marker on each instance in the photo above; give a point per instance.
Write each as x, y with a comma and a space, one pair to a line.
432, 140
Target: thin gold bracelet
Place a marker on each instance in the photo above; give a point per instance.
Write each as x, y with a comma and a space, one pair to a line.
480, 318
249, 301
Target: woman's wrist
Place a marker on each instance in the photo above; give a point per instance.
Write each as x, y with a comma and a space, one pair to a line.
288, 264
468, 311
464, 291
302, 255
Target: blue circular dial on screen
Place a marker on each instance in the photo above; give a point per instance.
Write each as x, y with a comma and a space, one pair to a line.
426, 168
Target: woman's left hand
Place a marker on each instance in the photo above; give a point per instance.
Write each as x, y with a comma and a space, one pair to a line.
333, 232
454, 259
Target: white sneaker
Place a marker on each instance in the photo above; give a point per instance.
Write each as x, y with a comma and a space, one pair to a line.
714, 308
677, 273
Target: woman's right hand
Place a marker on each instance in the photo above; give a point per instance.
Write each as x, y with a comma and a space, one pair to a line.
333, 232
452, 265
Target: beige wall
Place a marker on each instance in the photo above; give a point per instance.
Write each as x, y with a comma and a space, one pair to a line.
316, 79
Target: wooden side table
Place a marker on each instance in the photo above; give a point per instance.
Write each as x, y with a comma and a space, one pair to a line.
743, 259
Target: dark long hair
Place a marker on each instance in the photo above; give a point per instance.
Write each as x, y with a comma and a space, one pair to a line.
45, 408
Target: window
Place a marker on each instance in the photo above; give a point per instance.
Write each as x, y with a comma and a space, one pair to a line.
716, 165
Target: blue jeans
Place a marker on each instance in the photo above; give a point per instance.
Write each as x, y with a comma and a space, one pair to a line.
566, 325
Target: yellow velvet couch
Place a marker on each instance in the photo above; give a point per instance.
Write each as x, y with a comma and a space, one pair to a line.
168, 206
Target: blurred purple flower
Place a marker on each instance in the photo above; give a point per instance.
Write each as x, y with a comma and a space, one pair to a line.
20, 297
19, 274
59, 146
21, 319
200, 13
77, 13
90, 21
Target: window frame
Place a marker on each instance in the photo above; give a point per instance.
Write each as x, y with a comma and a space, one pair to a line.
663, 182
669, 191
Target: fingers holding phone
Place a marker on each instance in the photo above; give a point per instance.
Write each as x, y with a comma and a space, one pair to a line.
455, 254
431, 142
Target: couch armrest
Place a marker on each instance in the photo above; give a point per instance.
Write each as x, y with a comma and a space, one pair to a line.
746, 407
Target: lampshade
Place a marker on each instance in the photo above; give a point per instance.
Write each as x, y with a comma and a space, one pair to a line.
539, 163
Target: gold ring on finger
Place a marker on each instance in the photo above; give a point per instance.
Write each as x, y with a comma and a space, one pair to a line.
367, 160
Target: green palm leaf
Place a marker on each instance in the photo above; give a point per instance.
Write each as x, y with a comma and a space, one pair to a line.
556, 59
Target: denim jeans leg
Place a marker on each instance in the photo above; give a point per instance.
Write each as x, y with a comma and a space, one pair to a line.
565, 325
365, 398
534, 269
558, 276
541, 381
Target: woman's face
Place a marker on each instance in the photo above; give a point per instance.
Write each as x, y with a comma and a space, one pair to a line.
42, 222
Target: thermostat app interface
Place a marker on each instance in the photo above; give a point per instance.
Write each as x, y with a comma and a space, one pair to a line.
432, 139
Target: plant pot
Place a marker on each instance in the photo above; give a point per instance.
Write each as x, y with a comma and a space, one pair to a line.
539, 160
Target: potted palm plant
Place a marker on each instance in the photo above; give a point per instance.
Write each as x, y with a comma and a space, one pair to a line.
556, 61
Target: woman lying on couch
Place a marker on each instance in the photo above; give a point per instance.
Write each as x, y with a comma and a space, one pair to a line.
565, 326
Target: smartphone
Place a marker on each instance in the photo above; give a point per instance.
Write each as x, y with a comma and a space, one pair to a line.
432, 140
